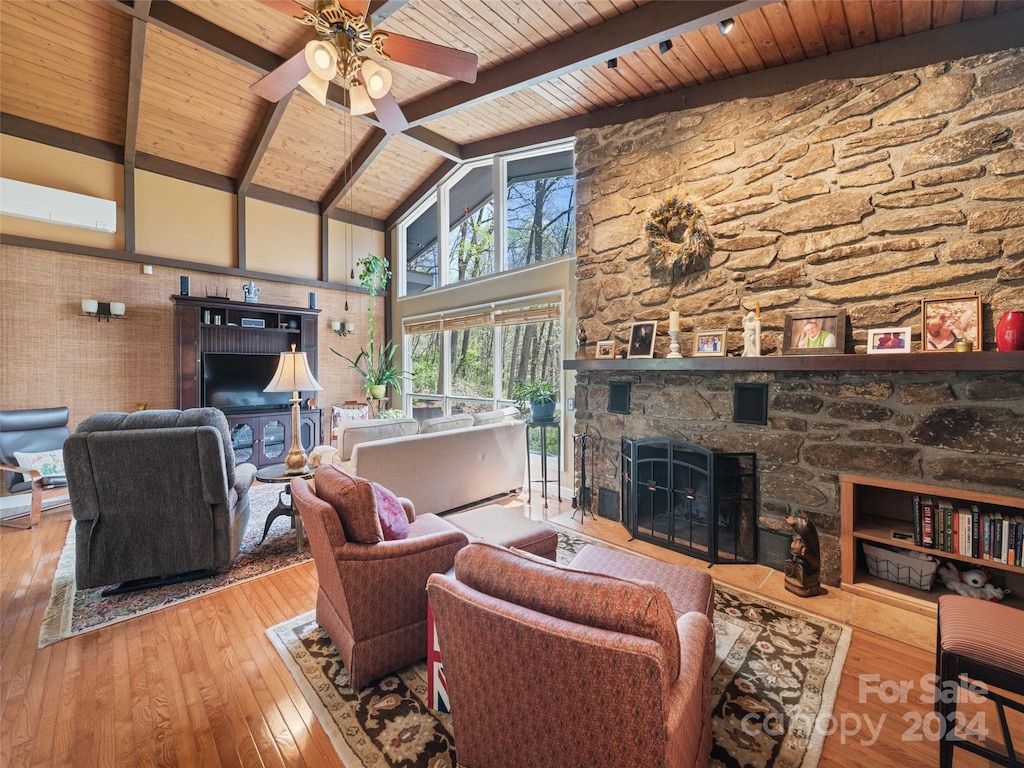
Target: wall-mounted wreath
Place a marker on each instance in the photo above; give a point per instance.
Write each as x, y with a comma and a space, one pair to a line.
678, 239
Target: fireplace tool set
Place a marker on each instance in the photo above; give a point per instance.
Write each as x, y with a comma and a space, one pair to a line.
583, 498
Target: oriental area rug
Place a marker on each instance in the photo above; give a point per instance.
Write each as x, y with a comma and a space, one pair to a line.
73, 611
776, 674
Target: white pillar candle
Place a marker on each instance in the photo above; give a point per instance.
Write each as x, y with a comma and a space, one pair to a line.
90, 306
116, 308
673, 321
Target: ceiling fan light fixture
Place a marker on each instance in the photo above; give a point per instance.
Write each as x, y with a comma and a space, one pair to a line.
359, 101
315, 87
322, 59
376, 78
725, 26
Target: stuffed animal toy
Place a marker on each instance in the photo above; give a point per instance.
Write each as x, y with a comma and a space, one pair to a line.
972, 583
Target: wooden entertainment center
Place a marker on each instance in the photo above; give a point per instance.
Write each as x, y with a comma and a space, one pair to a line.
213, 325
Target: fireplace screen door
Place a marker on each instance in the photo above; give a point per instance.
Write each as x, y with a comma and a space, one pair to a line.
691, 499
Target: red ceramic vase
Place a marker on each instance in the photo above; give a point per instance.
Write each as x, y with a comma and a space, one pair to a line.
1010, 332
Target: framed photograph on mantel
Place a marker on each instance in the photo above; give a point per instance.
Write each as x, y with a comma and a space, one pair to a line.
888, 341
814, 332
641, 339
709, 343
944, 322
605, 349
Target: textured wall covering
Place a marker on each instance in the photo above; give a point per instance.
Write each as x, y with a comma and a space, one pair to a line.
868, 194
52, 355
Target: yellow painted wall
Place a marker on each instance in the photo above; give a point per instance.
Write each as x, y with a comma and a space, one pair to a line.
178, 220
34, 163
347, 245
281, 240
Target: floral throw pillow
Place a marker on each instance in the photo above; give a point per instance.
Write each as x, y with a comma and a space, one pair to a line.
46, 463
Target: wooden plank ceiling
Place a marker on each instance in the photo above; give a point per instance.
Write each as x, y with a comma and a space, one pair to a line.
167, 82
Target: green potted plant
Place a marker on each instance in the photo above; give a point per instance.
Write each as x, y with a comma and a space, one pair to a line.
540, 395
378, 368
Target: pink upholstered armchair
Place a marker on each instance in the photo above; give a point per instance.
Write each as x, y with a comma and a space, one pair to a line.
555, 668
372, 599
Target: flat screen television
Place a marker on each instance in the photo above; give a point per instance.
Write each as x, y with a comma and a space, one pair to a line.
235, 382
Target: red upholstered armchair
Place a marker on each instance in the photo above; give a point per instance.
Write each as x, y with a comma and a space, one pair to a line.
555, 668
372, 599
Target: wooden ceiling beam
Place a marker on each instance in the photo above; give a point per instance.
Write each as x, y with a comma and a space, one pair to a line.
647, 25
23, 128
264, 134
136, 58
364, 156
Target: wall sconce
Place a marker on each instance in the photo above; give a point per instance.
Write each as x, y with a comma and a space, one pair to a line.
342, 329
103, 309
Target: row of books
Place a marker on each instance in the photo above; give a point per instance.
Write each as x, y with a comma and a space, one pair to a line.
966, 530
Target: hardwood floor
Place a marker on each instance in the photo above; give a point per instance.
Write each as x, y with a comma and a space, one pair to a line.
199, 684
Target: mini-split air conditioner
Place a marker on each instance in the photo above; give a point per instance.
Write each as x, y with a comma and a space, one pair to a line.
31, 201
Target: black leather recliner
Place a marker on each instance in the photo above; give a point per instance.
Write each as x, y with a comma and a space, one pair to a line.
32, 431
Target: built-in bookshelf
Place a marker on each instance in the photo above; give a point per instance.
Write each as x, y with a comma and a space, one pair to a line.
881, 511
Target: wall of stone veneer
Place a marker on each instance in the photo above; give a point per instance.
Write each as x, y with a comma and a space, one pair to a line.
868, 194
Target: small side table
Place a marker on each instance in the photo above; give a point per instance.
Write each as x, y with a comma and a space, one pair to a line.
542, 427
275, 473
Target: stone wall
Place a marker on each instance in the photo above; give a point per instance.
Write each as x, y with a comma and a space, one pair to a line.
868, 194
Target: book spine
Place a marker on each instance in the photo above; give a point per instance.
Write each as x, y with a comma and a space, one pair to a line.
916, 520
927, 522
975, 531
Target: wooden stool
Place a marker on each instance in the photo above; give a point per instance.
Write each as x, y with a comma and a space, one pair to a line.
984, 641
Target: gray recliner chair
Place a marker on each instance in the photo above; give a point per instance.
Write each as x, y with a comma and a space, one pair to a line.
155, 496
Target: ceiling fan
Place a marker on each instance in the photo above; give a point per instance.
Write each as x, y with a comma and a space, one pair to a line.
349, 46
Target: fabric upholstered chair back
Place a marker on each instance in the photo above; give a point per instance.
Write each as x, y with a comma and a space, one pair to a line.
557, 668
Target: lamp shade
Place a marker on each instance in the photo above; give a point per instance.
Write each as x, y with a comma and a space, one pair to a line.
376, 78
359, 101
293, 374
322, 59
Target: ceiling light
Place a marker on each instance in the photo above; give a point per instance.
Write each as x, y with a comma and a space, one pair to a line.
665, 46
359, 101
322, 60
376, 78
725, 26
613, 63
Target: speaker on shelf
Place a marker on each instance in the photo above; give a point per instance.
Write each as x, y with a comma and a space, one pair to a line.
183, 285
312, 299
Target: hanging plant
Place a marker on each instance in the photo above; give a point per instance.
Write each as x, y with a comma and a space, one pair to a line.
374, 273
678, 239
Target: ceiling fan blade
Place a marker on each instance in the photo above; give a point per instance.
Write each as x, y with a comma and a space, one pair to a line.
356, 7
389, 114
432, 57
278, 83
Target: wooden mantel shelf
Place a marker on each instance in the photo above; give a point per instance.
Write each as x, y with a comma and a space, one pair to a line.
913, 361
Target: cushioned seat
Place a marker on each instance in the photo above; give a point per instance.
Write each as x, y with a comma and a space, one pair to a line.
31, 453
507, 528
981, 641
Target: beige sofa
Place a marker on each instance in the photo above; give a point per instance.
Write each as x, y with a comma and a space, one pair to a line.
439, 464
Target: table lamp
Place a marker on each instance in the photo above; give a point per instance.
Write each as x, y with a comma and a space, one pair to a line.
293, 375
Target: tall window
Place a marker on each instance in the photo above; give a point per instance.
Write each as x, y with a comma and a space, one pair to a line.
507, 213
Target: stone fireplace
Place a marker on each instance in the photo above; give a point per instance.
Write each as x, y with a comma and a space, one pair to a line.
868, 194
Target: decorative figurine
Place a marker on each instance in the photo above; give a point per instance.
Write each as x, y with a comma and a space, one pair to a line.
804, 565
581, 341
752, 332
252, 292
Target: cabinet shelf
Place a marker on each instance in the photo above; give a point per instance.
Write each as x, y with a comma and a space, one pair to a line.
873, 508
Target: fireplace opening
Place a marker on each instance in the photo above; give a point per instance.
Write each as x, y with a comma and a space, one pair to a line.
691, 499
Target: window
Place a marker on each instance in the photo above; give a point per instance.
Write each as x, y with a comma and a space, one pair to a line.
469, 360
507, 213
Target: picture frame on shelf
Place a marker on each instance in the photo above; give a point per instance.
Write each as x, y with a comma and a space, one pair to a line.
641, 339
814, 332
709, 343
889, 341
604, 350
945, 321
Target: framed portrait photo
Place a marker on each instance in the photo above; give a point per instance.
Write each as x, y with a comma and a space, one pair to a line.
604, 350
709, 343
944, 322
641, 339
888, 341
814, 332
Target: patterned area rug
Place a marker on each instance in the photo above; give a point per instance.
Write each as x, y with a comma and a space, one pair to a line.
773, 688
73, 611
